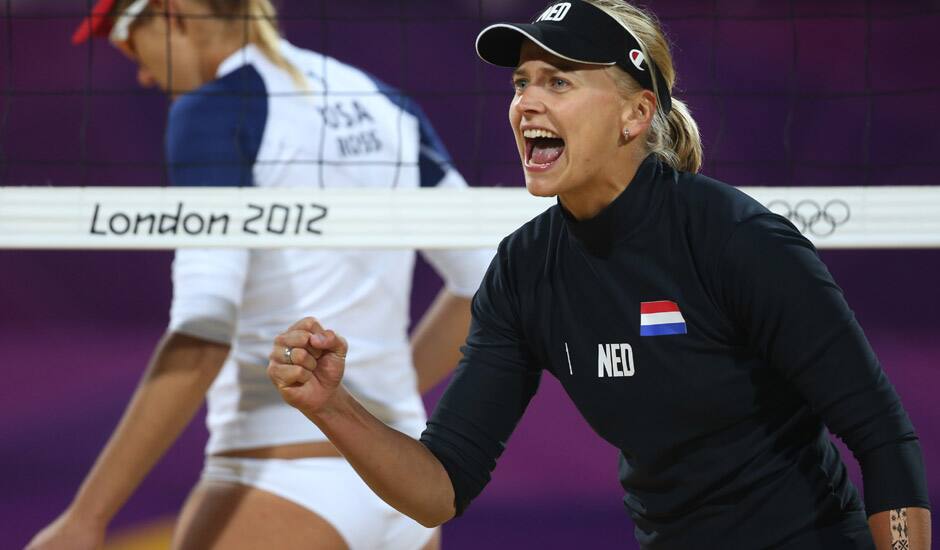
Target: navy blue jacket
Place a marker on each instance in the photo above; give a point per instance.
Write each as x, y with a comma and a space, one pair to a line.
702, 336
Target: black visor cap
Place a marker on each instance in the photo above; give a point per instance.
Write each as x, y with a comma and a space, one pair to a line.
576, 31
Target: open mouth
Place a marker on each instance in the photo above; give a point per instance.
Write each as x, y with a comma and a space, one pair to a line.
542, 148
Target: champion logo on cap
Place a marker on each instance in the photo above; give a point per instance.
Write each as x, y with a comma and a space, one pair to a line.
637, 58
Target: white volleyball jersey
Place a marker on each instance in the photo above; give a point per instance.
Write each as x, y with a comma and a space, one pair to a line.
254, 125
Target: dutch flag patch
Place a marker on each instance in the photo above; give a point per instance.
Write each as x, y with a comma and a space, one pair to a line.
661, 318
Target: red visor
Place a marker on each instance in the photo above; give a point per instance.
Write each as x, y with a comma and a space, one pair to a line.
96, 24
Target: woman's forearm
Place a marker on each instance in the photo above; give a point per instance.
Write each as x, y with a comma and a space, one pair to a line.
171, 391
402, 471
307, 364
436, 341
901, 529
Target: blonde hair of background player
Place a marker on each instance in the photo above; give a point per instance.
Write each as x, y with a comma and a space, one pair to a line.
258, 19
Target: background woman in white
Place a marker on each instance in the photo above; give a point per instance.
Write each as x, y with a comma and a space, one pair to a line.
271, 478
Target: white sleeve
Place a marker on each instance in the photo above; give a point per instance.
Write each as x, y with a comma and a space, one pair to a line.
207, 292
462, 270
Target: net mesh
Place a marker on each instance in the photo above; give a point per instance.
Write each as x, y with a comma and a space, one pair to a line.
786, 93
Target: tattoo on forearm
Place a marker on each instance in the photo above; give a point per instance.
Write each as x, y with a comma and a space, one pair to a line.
899, 540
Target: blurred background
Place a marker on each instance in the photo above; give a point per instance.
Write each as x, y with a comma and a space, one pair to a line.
799, 92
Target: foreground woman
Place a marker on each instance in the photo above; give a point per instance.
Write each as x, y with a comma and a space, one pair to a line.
671, 307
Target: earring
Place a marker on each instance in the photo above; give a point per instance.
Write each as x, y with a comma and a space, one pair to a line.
626, 134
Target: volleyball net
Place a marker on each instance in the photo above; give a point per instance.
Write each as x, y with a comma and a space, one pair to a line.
821, 111
165, 218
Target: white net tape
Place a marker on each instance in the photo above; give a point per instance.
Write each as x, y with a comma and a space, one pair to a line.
167, 218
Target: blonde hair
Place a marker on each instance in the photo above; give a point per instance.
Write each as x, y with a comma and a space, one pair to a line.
261, 28
675, 137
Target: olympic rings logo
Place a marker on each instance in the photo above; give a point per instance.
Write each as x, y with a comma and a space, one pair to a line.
812, 218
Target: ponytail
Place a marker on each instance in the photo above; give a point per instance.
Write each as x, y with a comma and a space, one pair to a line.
675, 137
682, 142
261, 29
267, 37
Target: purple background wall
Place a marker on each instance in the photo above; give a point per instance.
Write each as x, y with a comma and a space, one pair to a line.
787, 93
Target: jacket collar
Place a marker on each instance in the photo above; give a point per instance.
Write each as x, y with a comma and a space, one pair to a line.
622, 217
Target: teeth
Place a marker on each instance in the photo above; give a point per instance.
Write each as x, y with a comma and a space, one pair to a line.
539, 133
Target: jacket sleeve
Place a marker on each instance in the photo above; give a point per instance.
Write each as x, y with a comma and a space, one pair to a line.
491, 388
781, 295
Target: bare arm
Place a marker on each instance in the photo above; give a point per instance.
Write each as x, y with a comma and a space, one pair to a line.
397, 468
901, 529
171, 391
436, 341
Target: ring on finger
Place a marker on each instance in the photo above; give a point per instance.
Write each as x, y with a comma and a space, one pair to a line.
287, 355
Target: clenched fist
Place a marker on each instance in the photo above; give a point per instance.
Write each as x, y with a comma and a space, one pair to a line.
307, 365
